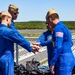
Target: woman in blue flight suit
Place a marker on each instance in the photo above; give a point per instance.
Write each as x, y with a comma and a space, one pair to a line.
62, 53
7, 38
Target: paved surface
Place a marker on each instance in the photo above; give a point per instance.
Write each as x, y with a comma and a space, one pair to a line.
37, 30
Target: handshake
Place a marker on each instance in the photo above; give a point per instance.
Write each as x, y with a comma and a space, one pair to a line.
35, 46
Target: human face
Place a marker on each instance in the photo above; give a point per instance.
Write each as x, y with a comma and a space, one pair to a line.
14, 15
48, 25
51, 22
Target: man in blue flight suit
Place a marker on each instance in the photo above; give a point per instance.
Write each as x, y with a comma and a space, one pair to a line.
47, 35
45, 39
62, 54
13, 10
7, 38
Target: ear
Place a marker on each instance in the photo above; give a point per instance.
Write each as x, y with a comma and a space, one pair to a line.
8, 18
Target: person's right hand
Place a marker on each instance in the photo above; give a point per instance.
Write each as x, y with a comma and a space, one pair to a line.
36, 43
35, 48
52, 69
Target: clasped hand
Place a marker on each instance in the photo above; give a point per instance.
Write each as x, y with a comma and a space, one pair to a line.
35, 46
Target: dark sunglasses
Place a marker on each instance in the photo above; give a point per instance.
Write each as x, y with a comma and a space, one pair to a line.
16, 13
46, 23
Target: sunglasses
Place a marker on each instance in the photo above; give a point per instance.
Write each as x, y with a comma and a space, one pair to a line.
16, 13
46, 23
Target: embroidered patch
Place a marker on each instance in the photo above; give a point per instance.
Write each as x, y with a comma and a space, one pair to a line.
59, 34
49, 37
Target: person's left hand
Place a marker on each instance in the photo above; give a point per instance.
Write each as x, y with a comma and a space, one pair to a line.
52, 69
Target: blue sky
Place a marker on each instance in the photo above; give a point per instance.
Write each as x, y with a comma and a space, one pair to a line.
35, 10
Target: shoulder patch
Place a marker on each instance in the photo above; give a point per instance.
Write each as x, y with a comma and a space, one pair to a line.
59, 34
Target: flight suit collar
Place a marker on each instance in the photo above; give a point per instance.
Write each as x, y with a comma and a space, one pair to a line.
58, 23
3, 25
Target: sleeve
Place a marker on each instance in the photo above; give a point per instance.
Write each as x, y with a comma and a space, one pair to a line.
45, 43
42, 40
12, 26
20, 40
58, 40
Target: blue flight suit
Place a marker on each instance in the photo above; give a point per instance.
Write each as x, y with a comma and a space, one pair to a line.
62, 53
12, 26
43, 42
7, 38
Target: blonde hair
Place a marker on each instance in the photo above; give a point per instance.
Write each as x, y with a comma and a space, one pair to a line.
3, 14
13, 8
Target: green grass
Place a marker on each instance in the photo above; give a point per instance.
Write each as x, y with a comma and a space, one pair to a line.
40, 25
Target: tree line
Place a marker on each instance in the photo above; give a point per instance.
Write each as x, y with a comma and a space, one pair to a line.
40, 25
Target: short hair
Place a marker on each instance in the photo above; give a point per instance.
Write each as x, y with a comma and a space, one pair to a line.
53, 16
13, 8
3, 14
